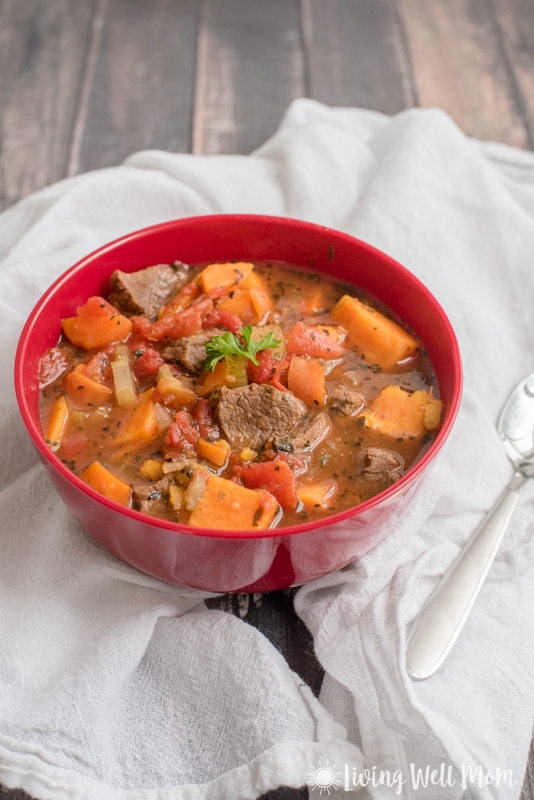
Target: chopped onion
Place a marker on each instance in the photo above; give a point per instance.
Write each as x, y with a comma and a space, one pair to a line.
164, 372
125, 386
176, 496
182, 470
194, 491
163, 418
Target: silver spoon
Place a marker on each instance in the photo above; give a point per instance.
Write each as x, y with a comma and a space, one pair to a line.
439, 624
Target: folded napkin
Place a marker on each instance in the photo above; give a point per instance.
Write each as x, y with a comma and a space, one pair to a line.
114, 685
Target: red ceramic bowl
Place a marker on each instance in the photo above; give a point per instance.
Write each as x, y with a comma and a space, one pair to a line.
222, 561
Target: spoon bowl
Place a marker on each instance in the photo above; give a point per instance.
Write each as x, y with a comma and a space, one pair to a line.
443, 617
516, 423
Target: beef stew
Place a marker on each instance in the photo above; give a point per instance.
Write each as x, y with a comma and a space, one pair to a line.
237, 395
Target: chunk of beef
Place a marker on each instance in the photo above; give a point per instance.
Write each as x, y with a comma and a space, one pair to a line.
145, 291
190, 351
346, 401
151, 498
253, 415
379, 463
305, 437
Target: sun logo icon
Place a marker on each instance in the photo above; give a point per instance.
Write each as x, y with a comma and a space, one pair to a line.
324, 777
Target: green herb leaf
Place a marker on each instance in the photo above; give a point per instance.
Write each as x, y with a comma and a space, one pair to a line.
229, 345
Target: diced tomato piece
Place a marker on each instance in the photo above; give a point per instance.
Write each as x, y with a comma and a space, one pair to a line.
183, 323
275, 476
137, 341
306, 341
264, 370
220, 318
52, 365
186, 295
140, 326
98, 366
269, 370
146, 362
298, 462
219, 292
96, 307
279, 379
202, 412
183, 431
73, 446
174, 436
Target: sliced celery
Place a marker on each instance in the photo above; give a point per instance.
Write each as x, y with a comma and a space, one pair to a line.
123, 378
236, 366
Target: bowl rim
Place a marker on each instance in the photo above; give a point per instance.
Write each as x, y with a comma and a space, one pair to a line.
390, 492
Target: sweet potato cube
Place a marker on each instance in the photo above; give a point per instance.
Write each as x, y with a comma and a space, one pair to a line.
306, 379
214, 380
253, 281
215, 276
104, 481
57, 421
241, 304
378, 339
262, 303
314, 301
317, 495
216, 452
84, 390
96, 325
402, 414
151, 469
250, 300
173, 393
142, 424
233, 507
337, 333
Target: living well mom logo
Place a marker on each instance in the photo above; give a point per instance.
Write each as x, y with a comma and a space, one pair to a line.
326, 778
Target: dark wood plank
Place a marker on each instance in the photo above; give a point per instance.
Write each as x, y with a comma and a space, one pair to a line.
283, 793
139, 82
273, 614
515, 24
459, 65
42, 56
527, 792
356, 54
250, 67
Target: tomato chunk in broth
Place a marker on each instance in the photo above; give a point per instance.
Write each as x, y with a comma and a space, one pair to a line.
237, 395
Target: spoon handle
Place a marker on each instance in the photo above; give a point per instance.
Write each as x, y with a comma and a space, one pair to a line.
439, 624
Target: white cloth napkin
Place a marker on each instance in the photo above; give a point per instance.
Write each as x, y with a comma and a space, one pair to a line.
117, 686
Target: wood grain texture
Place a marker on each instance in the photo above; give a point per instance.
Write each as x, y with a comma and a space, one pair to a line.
273, 614
42, 55
356, 54
459, 65
527, 792
250, 66
515, 25
82, 85
283, 793
139, 82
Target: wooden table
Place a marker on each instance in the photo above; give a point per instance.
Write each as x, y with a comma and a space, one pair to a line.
84, 84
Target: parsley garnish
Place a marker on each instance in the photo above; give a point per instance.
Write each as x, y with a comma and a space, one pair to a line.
229, 345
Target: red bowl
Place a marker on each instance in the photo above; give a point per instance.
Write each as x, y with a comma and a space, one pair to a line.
222, 561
